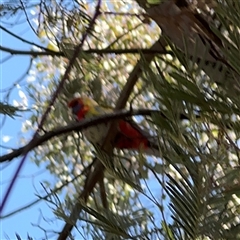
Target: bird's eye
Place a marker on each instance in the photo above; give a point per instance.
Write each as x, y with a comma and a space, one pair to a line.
76, 108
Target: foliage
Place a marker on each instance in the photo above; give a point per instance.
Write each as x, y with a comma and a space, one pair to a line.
9, 110
192, 190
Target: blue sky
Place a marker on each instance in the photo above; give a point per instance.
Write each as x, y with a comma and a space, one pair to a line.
31, 176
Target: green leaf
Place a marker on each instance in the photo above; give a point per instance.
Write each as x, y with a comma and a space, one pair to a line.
10, 110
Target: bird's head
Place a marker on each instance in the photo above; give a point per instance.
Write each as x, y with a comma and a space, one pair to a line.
81, 106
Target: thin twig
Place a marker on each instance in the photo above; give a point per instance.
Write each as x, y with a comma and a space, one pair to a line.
3, 60
47, 195
25, 41
29, 23
22, 77
124, 14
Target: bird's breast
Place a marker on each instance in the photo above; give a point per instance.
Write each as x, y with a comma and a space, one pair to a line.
96, 134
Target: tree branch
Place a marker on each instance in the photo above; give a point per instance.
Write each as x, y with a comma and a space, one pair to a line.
90, 51
75, 127
30, 53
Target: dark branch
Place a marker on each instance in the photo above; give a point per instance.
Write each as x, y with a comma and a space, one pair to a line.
30, 53
90, 51
74, 127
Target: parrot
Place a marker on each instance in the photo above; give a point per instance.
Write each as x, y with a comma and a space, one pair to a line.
129, 135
